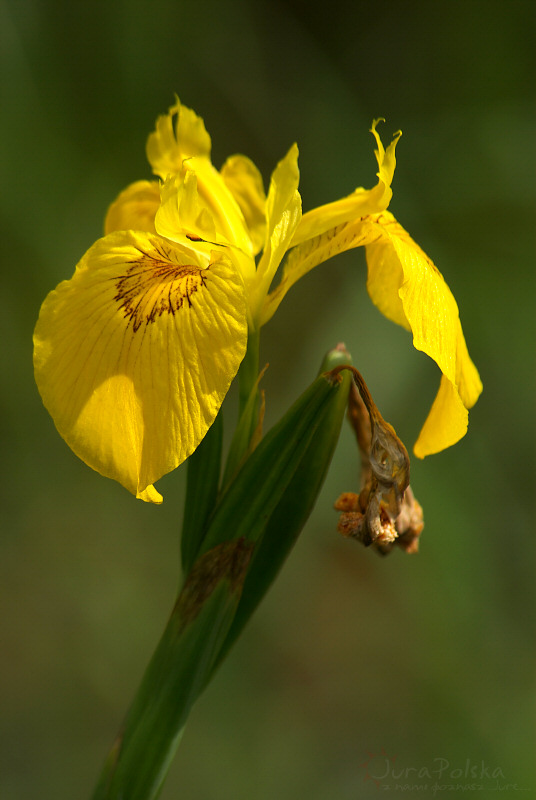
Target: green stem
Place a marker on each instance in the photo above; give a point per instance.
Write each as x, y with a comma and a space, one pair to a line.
248, 412
249, 370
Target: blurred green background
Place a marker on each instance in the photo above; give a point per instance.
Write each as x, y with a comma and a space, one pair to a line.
421, 657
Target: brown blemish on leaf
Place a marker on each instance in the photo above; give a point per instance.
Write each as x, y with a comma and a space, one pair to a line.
154, 285
228, 561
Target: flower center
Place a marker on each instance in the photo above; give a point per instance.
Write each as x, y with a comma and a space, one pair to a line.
154, 284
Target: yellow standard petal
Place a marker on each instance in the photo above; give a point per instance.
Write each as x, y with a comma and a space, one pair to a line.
134, 209
134, 355
244, 181
179, 134
283, 214
186, 213
358, 204
179, 148
182, 214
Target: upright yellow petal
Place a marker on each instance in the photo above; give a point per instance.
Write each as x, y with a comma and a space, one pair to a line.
179, 134
189, 210
182, 214
283, 214
244, 181
134, 355
358, 204
134, 209
215, 196
178, 149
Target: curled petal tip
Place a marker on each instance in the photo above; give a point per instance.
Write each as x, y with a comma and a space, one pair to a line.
375, 123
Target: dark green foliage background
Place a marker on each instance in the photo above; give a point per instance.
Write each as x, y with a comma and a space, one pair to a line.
428, 657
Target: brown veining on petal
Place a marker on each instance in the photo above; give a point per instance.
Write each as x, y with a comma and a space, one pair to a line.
154, 284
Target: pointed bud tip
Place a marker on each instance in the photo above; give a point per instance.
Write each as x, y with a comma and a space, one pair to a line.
336, 357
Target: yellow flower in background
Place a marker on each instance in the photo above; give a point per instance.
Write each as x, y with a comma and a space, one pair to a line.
135, 353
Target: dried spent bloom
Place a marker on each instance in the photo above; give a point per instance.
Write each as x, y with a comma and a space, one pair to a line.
385, 511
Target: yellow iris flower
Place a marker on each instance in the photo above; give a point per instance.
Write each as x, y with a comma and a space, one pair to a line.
135, 353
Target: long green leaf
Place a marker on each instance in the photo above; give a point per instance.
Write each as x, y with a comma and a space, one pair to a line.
250, 500
200, 623
295, 506
179, 669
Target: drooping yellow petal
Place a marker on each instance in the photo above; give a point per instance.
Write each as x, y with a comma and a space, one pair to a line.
407, 287
428, 305
283, 214
134, 209
446, 422
360, 203
134, 355
244, 181
431, 313
170, 144
303, 258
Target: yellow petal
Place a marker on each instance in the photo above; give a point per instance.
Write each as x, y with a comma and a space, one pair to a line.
205, 208
199, 206
360, 203
309, 254
446, 422
134, 209
425, 300
217, 198
134, 355
244, 181
427, 307
283, 214
409, 289
170, 144
183, 214
448, 418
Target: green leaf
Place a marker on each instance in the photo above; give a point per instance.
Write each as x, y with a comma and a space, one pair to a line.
179, 669
202, 482
250, 500
293, 510
200, 623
